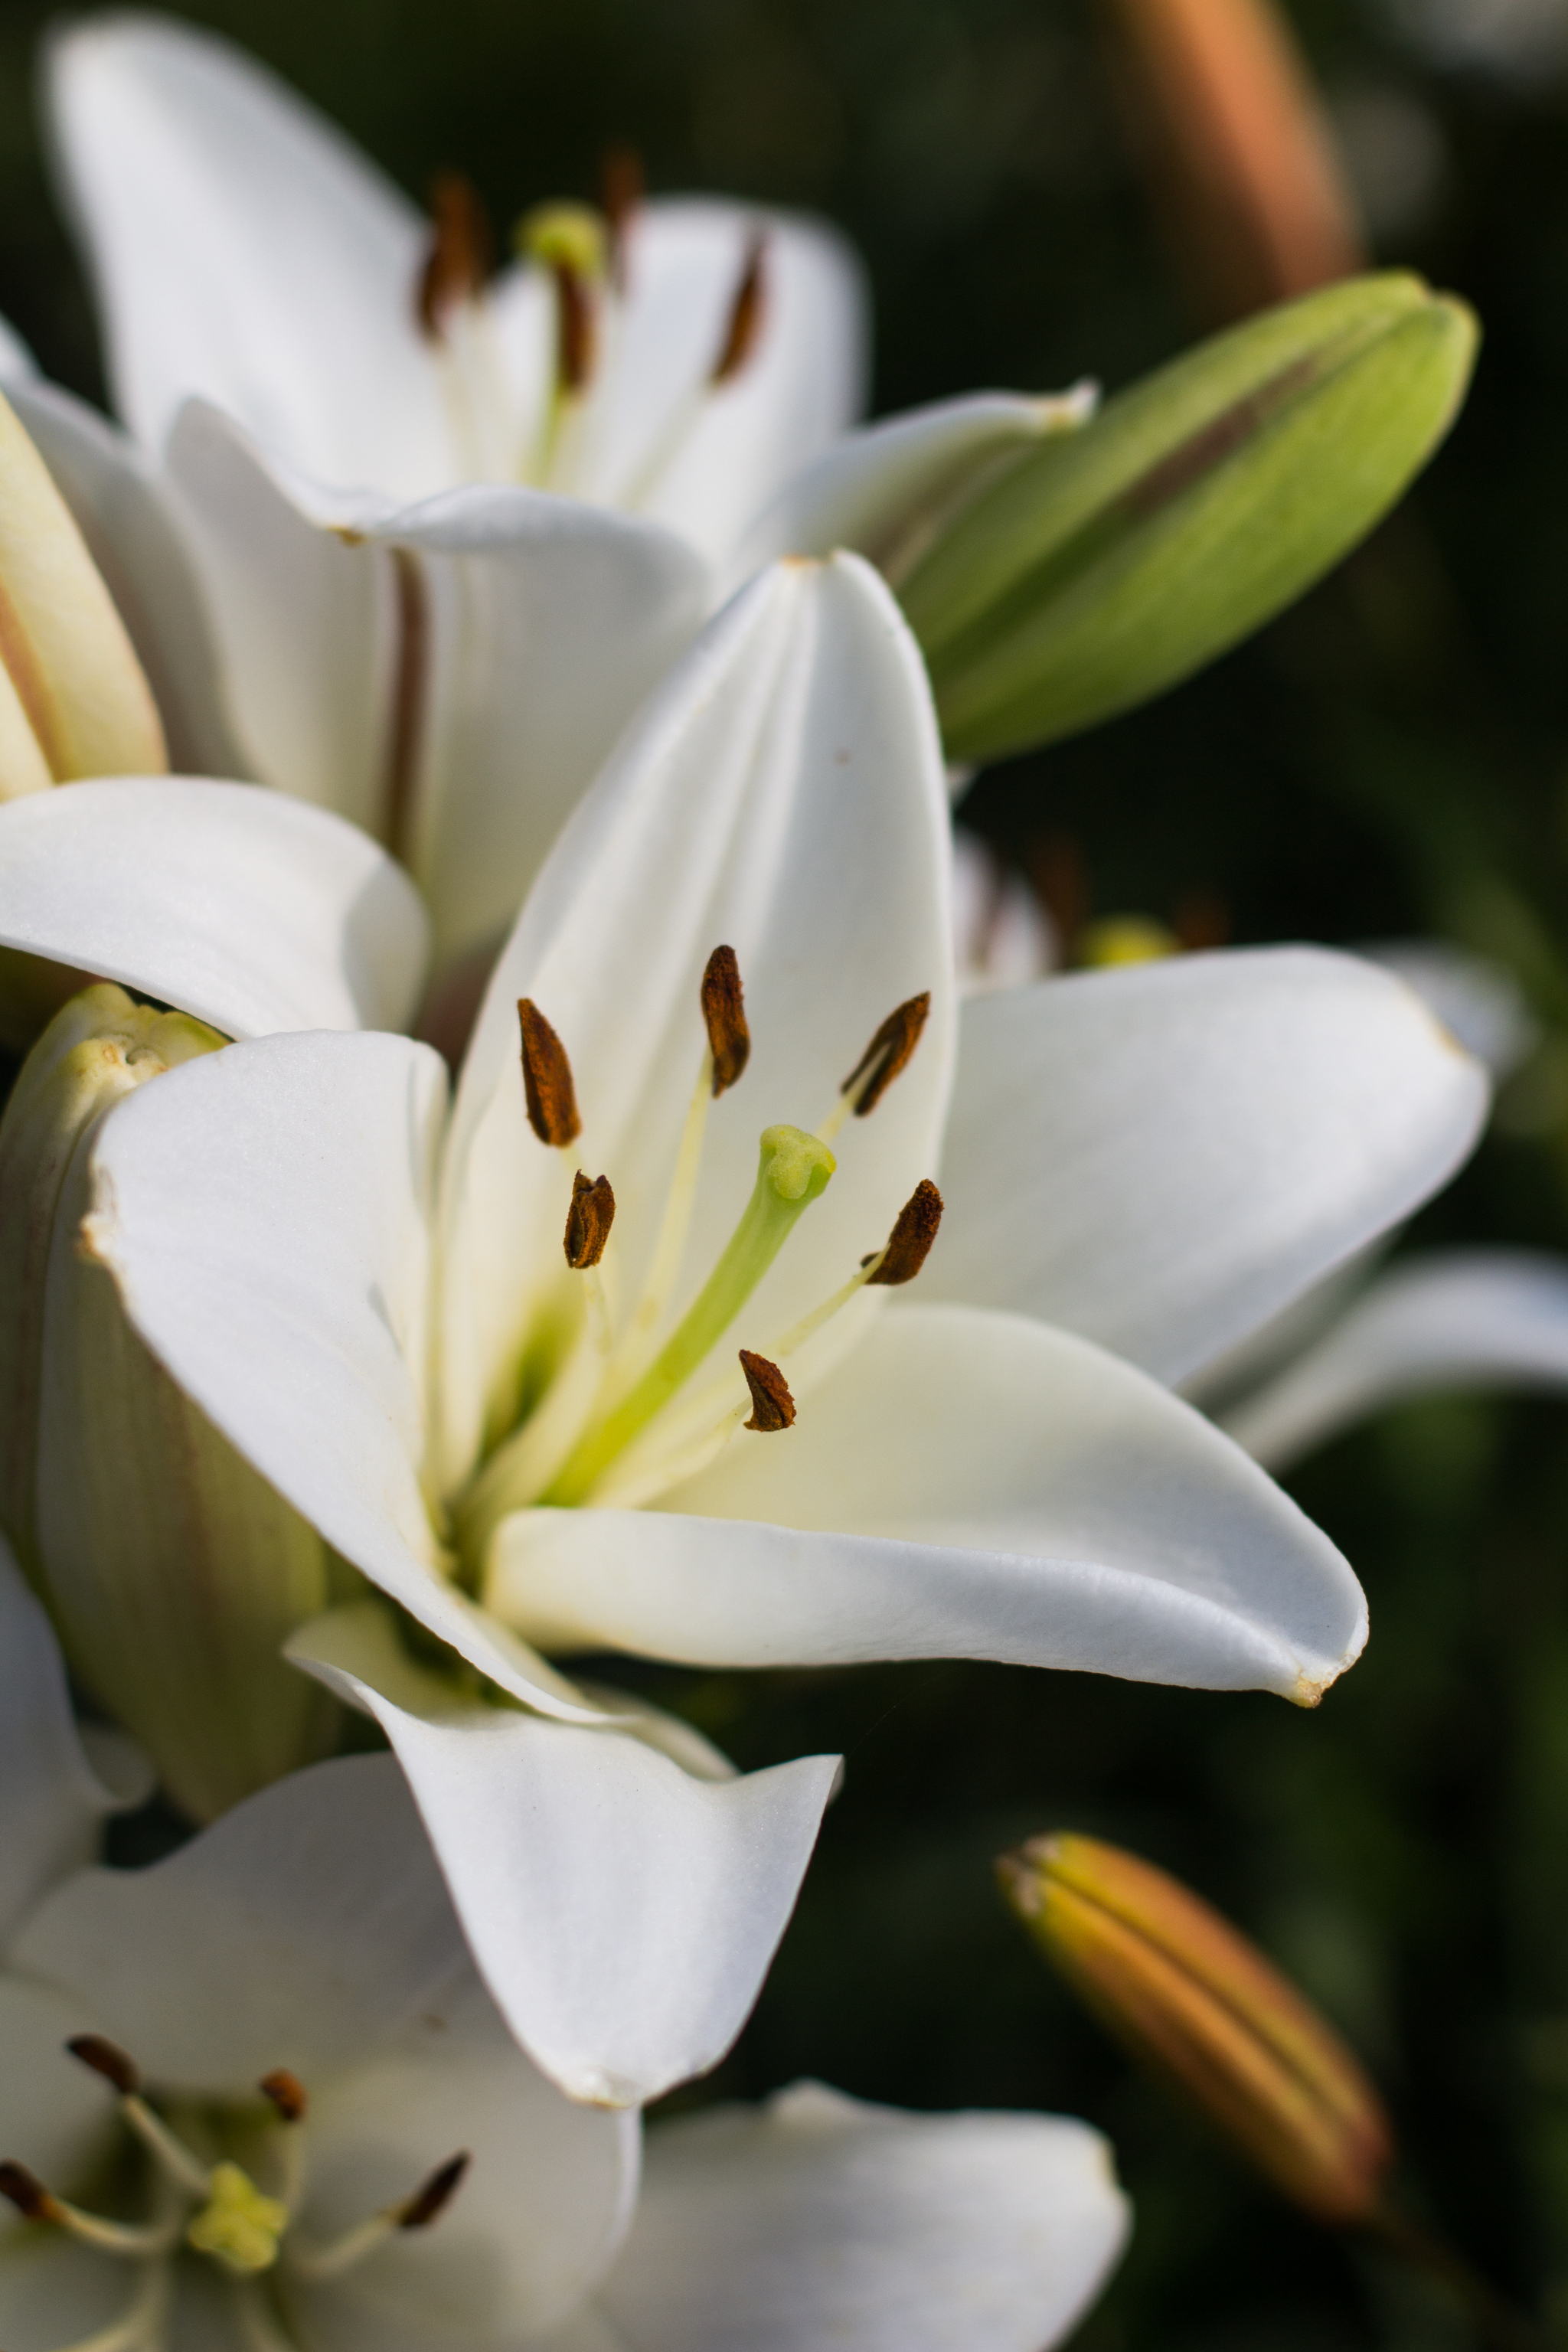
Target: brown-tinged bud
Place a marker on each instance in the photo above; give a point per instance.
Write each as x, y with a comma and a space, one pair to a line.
287, 2093
887, 1053
908, 1243
26, 2192
431, 2200
772, 1407
107, 2059
589, 1221
724, 1015
748, 308
1194, 2000
548, 1091
461, 254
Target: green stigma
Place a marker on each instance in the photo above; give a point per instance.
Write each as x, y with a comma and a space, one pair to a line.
237, 2226
565, 236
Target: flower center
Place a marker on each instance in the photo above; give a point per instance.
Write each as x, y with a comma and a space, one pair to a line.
201, 2199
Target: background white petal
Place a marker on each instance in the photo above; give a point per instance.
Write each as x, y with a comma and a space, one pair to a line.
963, 1484
1450, 1319
819, 2220
252, 911
1161, 1156
782, 793
244, 250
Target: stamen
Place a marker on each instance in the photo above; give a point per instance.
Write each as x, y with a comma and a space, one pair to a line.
622, 187
569, 240
548, 1091
105, 2059
287, 2093
908, 1243
772, 1407
462, 249
135, 2240
427, 2203
724, 1014
589, 1221
888, 1053
238, 2226
793, 1171
747, 311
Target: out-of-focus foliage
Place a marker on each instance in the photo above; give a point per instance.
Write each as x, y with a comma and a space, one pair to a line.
1389, 757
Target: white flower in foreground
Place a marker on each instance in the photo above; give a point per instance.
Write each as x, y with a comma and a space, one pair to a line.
369, 1297
256, 2098
448, 532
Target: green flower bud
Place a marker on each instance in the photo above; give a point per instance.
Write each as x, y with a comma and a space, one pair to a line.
172, 1572
1110, 562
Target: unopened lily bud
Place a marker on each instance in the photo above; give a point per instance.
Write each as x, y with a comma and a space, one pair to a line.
1110, 562
171, 1570
73, 700
1198, 2003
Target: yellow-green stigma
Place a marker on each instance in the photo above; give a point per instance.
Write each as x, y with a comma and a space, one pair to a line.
238, 2226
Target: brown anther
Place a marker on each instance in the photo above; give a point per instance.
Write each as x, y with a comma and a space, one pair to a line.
462, 249
287, 2093
575, 337
547, 1086
622, 187
105, 2059
27, 2193
724, 1012
429, 2203
908, 1243
748, 308
887, 1053
772, 1407
589, 1221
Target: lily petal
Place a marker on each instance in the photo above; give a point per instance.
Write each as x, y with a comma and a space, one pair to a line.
247, 909
819, 2220
965, 1483
883, 489
1454, 1319
268, 1233
245, 251
1161, 1156
54, 1798
321, 1918
622, 1913
782, 793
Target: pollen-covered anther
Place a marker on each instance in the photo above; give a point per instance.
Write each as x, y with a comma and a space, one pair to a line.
107, 2059
622, 187
748, 309
724, 1014
908, 1243
430, 2200
889, 1052
589, 1221
772, 1407
26, 2192
461, 253
287, 2093
548, 1091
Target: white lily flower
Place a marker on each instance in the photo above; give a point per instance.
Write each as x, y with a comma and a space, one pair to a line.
274, 2044
445, 547
368, 1296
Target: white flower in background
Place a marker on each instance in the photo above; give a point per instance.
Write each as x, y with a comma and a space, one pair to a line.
1002, 935
1519, 40
448, 531
257, 2098
369, 1297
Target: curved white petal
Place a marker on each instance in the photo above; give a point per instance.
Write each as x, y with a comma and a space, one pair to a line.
52, 1800
622, 1913
248, 909
542, 2210
884, 490
133, 535
1481, 1004
781, 794
1161, 1156
17, 364
965, 1485
817, 2219
306, 1928
244, 250
269, 1235
703, 457
1452, 1319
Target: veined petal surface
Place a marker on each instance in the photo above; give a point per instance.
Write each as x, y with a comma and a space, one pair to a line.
1161, 1156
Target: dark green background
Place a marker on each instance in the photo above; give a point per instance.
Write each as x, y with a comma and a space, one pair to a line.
1389, 758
